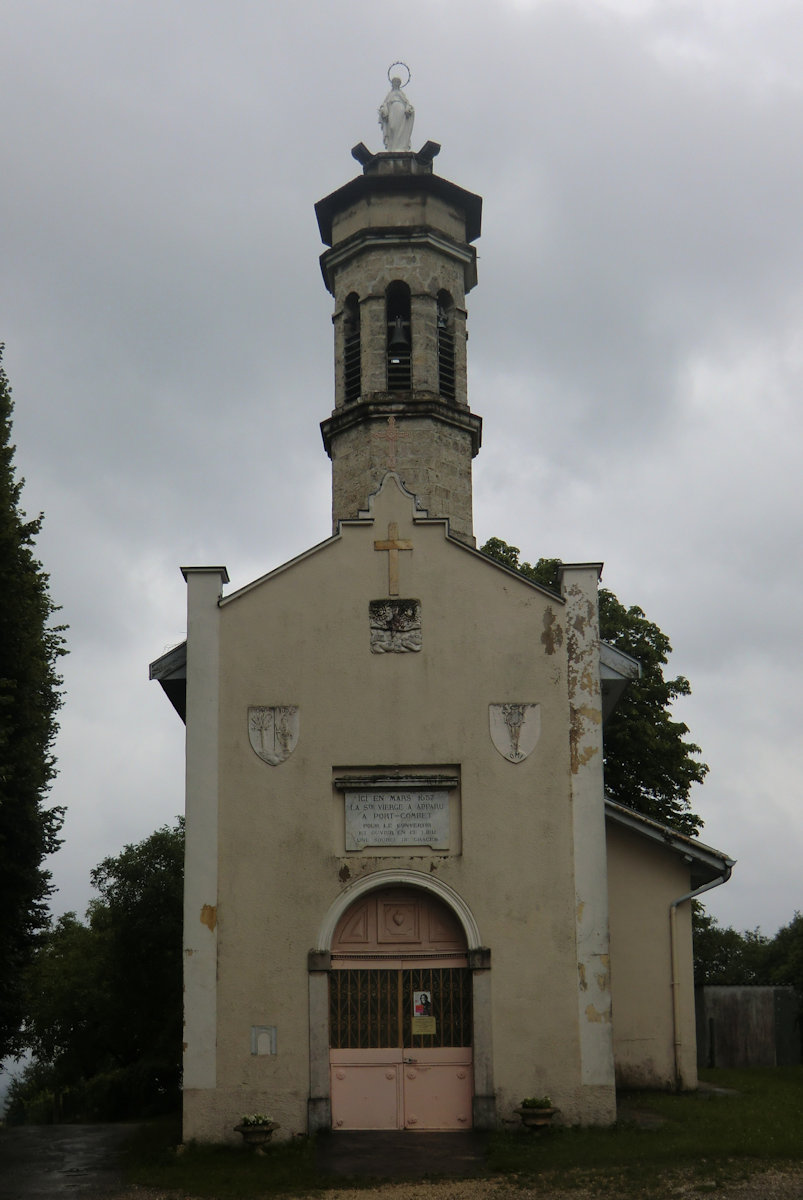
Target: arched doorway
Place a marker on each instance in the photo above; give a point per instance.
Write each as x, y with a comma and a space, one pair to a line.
400, 1014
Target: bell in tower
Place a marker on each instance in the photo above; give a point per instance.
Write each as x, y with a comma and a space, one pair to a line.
399, 264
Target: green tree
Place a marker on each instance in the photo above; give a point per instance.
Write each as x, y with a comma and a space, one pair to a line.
724, 956
68, 992
30, 696
784, 957
105, 998
139, 917
649, 764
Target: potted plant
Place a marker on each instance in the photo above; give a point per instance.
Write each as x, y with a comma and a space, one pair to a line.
536, 1111
256, 1129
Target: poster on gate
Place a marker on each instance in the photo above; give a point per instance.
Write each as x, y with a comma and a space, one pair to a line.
423, 1021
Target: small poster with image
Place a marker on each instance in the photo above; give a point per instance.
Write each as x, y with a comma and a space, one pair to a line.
423, 1021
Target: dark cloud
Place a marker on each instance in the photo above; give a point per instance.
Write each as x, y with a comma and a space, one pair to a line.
634, 339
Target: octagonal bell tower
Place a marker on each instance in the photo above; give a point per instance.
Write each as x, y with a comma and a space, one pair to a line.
399, 264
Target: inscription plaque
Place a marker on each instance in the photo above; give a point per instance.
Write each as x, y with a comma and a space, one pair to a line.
397, 818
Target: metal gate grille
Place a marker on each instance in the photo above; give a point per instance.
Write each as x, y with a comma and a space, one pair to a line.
449, 990
363, 1009
373, 1009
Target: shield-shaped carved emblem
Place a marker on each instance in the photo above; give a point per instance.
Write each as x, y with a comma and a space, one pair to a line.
515, 729
273, 732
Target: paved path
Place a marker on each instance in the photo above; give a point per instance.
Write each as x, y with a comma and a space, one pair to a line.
404, 1155
49, 1162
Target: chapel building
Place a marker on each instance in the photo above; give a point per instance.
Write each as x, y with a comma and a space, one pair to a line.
408, 903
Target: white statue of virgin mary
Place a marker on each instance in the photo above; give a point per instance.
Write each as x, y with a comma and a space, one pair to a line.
396, 116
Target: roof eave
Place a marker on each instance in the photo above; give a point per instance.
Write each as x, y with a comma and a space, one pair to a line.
705, 863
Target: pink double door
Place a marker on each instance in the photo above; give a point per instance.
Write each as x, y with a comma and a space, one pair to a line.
400, 1046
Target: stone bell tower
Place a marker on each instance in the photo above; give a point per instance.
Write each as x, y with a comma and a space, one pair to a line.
399, 264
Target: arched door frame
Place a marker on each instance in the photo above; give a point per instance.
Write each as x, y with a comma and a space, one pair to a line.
320, 962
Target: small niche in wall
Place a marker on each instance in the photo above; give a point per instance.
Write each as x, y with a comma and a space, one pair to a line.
263, 1039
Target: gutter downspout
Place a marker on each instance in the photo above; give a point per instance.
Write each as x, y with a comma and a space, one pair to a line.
673, 908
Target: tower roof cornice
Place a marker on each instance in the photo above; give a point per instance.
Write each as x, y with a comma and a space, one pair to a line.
404, 183
380, 407
388, 238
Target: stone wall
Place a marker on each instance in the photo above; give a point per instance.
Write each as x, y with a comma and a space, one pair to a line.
433, 460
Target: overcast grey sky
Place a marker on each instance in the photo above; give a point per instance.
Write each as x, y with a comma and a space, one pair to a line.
635, 345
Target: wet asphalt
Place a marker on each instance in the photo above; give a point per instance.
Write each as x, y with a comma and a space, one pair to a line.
50, 1162
401, 1155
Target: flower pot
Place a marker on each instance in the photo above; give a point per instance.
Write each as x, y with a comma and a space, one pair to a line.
536, 1118
256, 1136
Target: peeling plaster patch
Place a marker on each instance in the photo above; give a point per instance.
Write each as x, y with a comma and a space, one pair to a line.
579, 757
189, 951
552, 637
591, 714
581, 905
596, 1017
603, 976
589, 682
581, 971
344, 874
209, 917
587, 755
582, 619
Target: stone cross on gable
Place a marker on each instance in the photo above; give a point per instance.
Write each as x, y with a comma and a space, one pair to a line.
392, 545
392, 437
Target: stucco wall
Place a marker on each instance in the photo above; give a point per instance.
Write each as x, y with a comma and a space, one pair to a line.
302, 638
412, 210
643, 879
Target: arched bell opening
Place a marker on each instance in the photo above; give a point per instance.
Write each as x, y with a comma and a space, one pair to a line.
399, 337
446, 347
352, 353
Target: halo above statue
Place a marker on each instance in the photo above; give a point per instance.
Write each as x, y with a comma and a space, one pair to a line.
403, 82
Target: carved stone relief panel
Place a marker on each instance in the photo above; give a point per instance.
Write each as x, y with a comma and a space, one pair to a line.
273, 732
395, 626
515, 729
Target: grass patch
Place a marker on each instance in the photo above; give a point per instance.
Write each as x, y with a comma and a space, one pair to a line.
715, 1137
219, 1172
707, 1138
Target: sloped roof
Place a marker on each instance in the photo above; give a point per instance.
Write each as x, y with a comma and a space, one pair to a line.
706, 864
616, 667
